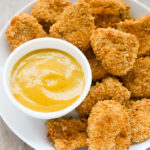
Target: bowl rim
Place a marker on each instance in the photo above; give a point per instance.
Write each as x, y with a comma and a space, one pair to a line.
20, 50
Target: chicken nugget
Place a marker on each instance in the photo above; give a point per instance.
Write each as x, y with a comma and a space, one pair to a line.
141, 29
105, 21
139, 112
108, 127
98, 71
117, 50
23, 28
108, 12
137, 79
47, 12
67, 134
75, 25
112, 7
110, 88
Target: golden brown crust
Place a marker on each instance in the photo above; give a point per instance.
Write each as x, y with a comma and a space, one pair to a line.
138, 79
23, 28
67, 134
110, 88
98, 71
108, 12
107, 6
47, 12
139, 112
141, 29
108, 127
75, 25
117, 50
105, 21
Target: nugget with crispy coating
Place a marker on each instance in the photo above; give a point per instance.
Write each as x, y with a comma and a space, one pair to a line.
112, 7
47, 12
23, 28
138, 79
98, 71
139, 112
110, 88
141, 29
75, 25
108, 127
117, 50
105, 21
108, 12
67, 134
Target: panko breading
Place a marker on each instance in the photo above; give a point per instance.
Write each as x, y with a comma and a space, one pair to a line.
117, 50
23, 28
75, 25
105, 21
139, 112
67, 134
98, 71
141, 29
137, 79
47, 12
112, 7
108, 12
108, 127
110, 88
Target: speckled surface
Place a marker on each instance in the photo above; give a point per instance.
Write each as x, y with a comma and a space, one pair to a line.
8, 141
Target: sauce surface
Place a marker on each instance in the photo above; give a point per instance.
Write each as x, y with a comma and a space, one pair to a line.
47, 80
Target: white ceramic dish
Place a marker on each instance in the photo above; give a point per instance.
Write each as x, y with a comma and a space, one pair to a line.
44, 43
33, 131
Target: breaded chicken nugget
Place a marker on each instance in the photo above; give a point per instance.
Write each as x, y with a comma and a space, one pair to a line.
110, 88
117, 50
75, 25
105, 21
108, 127
112, 7
108, 12
139, 112
47, 12
138, 79
23, 28
141, 29
98, 71
67, 134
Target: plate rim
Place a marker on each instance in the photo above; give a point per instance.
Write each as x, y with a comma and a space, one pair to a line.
1, 115
3, 31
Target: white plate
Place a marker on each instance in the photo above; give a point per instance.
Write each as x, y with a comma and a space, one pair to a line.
33, 131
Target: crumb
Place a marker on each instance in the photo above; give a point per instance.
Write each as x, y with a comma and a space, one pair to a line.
67, 134
110, 88
141, 29
139, 112
75, 26
108, 127
117, 50
23, 28
137, 79
47, 12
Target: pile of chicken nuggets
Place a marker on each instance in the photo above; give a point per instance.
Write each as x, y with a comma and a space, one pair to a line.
116, 111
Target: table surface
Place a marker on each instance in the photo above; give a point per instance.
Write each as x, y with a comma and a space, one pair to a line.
8, 141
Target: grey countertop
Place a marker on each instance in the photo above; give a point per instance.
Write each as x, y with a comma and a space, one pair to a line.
8, 141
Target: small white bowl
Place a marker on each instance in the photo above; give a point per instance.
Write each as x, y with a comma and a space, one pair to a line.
43, 43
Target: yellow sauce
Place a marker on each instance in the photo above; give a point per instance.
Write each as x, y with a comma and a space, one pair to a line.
47, 80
